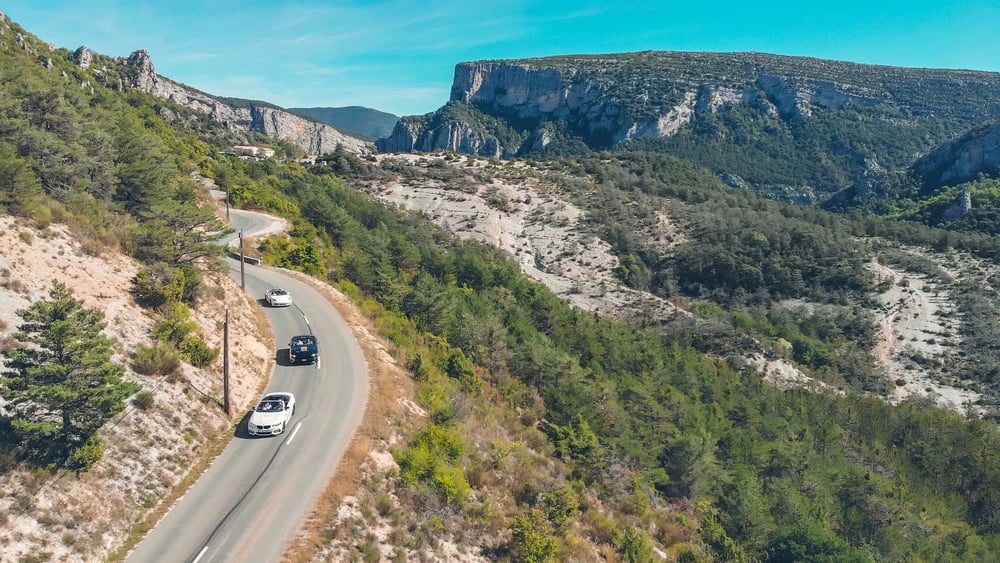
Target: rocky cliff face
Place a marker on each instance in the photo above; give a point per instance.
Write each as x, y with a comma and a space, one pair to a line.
137, 72
619, 98
412, 135
962, 159
605, 100
524, 93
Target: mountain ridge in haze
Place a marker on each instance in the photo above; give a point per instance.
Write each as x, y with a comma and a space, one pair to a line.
371, 123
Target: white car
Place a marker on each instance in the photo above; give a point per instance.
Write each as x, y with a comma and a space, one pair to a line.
271, 414
278, 297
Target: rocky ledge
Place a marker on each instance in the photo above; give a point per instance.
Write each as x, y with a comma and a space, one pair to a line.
137, 72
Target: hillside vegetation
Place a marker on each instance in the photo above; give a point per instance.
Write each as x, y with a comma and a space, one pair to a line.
548, 432
111, 168
643, 422
110, 298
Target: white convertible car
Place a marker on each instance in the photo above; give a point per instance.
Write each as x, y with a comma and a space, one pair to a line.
271, 414
278, 297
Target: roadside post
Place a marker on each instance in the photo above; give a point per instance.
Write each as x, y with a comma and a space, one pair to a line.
225, 363
243, 283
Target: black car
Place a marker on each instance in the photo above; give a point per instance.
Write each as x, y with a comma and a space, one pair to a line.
303, 349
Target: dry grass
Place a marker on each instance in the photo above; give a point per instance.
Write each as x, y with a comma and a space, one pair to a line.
212, 450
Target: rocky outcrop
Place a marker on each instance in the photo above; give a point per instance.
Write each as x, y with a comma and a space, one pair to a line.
405, 137
609, 99
460, 137
523, 92
961, 160
615, 98
83, 57
411, 135
957, 210
137, 72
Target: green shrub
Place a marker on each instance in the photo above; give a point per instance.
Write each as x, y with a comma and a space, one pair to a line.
560, 507
161, 359
532, 539
384, 505
460, 367
414, 463
450, 481
87, 455
41, 213
634, 545
420, 369
444, 442
158, 285
176, 324
197, 353
143, 400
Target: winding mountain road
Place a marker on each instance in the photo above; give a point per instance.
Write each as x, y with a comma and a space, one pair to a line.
256, 495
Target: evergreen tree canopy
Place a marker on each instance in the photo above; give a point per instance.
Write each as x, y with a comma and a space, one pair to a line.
61, 385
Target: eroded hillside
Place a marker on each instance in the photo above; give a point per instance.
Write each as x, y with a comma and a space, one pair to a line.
523, 211
527, 211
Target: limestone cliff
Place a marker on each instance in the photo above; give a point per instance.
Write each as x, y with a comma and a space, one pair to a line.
413, 134
740, 113
962, 159
614, 98
137, 72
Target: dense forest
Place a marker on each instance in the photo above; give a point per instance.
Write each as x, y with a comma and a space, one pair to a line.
771, 474
552, 433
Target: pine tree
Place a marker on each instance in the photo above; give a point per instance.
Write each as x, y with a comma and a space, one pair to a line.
62, 386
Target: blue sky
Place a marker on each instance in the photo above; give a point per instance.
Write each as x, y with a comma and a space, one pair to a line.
399, 56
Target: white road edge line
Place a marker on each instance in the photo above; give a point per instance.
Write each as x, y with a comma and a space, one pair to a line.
200, 554
290, 438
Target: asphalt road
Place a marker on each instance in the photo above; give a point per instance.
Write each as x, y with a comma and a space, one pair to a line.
256, 495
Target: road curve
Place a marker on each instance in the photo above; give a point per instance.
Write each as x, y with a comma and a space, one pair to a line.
254, 498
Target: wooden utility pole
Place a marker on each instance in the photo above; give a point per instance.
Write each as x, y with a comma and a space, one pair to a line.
225, 364
243, 283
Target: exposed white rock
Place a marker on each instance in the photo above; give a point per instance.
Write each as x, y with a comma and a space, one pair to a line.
138, 72
962, 159
607, 106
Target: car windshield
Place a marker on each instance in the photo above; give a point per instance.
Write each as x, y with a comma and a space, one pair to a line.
269, 406
301, 341
278, 292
